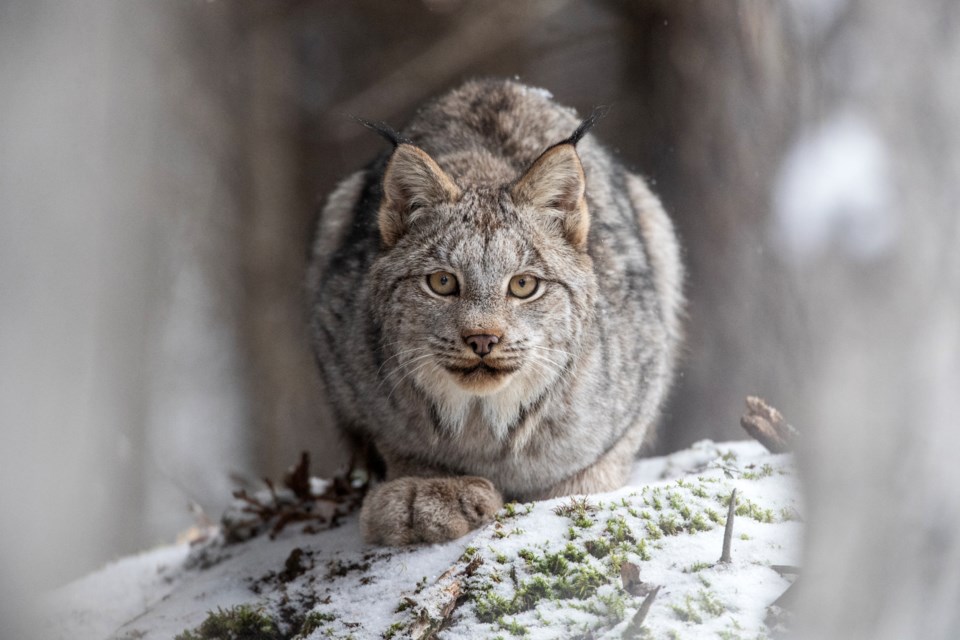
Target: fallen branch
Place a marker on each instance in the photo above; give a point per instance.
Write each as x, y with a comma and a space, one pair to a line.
446, 595
767, 426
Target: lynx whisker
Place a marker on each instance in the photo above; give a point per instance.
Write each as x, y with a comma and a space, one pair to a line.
409, 373
400, 354
404, 366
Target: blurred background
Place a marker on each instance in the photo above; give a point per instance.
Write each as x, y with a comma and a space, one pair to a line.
162, 164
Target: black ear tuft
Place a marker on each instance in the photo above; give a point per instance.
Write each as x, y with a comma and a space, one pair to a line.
595, 116
387, 132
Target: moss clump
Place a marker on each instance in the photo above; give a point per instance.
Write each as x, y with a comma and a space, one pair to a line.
697, 523
393, 630
714, 516
709, 604
619, 530
312, 622
598, 548
687, 613
513, 627
697, 566
530, 593
653, 531
669, 526
573, 554
491, 606
242, 622
642, 550
581, 583
692, 609
558, 580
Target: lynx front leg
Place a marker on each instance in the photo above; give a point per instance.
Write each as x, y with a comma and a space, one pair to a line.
410, 510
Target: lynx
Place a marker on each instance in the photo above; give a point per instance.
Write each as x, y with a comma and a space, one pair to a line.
495, 309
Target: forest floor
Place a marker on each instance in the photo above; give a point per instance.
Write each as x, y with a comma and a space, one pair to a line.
642, 561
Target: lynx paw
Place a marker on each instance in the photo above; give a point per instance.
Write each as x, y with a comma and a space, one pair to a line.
410, 510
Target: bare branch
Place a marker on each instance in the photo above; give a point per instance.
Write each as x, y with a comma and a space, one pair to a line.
767, 426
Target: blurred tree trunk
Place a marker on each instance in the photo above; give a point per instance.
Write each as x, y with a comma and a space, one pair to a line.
282, 386
710, 93
861, 348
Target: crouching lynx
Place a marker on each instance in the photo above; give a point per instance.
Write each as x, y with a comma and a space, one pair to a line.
495, 311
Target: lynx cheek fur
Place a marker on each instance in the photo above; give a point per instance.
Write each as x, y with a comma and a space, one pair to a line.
495, 309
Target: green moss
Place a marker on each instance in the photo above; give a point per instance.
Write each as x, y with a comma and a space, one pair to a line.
697, 523
619, 530
242, 622
598, 548
714, 516
653, 531
687, 612
675, 501
697, 566
580, 583
513, 627
700, 492
642, 550
554, 564
573, 554
709, 604
490, 606
530, 593
668, 525
393, 630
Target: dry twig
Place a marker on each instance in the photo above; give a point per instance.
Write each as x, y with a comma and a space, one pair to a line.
728, 530
633, 629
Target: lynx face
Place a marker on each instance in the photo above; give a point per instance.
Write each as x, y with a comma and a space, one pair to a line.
486, 289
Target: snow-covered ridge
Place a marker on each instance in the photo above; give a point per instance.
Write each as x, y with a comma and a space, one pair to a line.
569, 567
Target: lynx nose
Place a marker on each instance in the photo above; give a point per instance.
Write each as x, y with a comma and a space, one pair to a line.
481, 343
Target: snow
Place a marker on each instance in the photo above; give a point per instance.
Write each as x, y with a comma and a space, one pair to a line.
362, 590
834, 190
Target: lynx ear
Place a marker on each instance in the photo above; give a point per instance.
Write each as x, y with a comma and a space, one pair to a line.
412, 181
556, 185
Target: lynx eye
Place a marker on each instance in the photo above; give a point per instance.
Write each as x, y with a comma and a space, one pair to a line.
443, 283
523, 286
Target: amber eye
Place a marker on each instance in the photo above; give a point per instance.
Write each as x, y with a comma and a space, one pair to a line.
523, 286
443, 283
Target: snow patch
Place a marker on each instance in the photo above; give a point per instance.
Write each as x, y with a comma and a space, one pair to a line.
669, 525
833, 191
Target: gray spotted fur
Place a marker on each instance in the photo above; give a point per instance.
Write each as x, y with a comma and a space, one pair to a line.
595, 352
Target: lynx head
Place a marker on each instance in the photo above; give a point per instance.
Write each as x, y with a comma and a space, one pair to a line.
483, 290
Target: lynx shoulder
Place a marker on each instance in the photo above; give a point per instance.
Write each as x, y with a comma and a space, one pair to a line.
495, 310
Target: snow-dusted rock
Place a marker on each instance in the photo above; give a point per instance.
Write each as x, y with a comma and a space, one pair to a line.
549, 569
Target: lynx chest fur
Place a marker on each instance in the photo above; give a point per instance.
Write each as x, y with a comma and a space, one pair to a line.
495, 310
